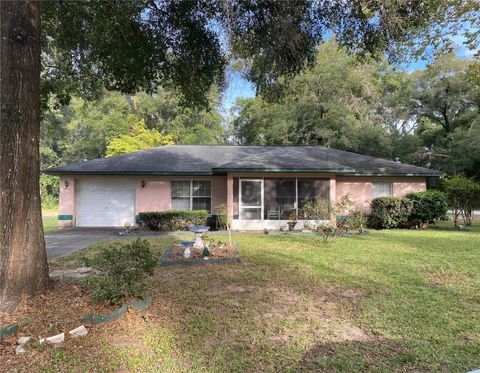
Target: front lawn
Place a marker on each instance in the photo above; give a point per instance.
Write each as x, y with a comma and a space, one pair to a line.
50, 223
395, 300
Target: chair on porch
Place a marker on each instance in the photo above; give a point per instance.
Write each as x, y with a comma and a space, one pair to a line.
273, 213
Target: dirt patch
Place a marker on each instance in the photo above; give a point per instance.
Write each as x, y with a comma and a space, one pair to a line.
278, 339
350, 333
351, 294
444, 278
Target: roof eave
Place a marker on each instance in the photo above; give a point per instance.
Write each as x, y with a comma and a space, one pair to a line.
425, 174
126, 173
278, 170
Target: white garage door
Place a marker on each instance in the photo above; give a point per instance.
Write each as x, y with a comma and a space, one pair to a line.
105, 203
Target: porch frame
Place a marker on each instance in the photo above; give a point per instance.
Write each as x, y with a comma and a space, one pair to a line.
259, 224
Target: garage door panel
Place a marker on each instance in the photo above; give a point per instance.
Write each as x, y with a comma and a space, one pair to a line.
105, 203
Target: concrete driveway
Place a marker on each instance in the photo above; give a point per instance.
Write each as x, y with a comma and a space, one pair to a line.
65, 241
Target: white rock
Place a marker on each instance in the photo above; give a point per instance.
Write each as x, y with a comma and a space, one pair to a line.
23, 340
59, 338
299, 226
83, 270
20, 350
78, 332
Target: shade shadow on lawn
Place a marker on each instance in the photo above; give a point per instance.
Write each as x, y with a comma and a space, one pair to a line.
288, 301
382, 302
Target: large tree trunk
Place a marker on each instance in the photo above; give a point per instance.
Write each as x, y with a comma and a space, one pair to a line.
23, 260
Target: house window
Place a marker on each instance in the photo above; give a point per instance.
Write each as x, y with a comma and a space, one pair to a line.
382, 189
191, 195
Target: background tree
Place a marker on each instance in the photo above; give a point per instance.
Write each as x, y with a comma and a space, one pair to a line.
335, 104
428, 117
139, 138
82, 129
445, 106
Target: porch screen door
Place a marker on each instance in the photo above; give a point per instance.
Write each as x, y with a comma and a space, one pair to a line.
251, 199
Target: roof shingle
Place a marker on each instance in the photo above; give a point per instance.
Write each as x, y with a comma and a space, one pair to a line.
219, 159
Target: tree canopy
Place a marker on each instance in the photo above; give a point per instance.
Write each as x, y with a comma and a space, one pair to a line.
429, 117
136, 46
83, 129
138, 138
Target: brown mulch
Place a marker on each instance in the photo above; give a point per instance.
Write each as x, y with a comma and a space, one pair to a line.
57, 310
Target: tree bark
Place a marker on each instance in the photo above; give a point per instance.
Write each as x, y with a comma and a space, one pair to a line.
23, 260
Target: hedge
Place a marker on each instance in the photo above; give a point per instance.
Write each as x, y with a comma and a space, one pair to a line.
464, 196
390, 212
428, 207
171, 220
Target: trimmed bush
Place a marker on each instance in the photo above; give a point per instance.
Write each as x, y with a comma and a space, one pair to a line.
390, 212
463, 196
427, 207
172, 220
123, 270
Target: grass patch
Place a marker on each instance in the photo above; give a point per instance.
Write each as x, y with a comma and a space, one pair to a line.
50, 223
400, 300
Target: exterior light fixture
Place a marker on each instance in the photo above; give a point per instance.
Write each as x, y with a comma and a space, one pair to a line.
66, 184
143, 184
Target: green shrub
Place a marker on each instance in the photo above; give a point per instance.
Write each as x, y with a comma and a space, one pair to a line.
358, 219
463, 196
222, 220
49, 191
427, 207
123, 270
172, 220
390, 212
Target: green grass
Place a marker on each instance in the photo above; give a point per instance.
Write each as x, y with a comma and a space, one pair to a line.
400, 300
50, 223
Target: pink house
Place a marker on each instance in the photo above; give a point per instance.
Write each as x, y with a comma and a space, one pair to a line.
259, 185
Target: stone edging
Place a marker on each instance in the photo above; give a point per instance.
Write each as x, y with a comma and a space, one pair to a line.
138, 304
98, 319
166, 263
8, 330
141, 304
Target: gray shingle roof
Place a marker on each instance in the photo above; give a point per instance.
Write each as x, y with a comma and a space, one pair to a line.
219, 159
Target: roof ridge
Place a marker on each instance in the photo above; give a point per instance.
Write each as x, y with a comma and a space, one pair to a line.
250, 145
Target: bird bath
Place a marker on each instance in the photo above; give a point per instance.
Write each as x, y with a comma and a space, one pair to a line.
198, 230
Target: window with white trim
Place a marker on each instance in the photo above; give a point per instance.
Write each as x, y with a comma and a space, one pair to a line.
382, 189
191, 195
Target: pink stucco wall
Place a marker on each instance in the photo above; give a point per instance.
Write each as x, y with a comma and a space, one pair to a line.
219, 192
155, 195
66, 203
361, 188
402, 186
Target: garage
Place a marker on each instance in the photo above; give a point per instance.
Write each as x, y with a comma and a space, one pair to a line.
105, 203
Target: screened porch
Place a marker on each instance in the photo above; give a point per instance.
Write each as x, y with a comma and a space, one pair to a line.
274, 198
